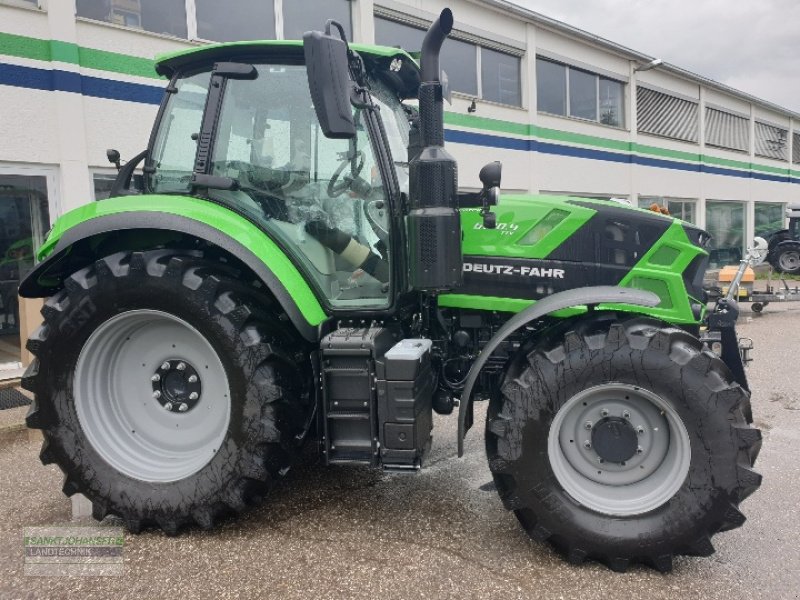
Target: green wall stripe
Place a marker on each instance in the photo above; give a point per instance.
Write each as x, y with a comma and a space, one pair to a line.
103, 60
486, 124
580, 138
64, 52
24, 47
666, 153
90, 58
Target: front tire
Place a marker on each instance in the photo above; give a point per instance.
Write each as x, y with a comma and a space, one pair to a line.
660, 468
165, 388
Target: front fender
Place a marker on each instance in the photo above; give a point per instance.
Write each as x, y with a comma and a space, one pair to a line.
587, 296
186, 215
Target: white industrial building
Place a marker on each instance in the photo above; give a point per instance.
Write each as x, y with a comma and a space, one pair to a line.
564, 110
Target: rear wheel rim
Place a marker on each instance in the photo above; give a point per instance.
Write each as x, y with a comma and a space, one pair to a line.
638, 474
123, 412
789, 260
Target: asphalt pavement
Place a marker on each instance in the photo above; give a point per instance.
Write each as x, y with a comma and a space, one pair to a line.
441, 532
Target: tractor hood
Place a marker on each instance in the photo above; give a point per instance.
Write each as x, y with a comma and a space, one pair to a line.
546, 244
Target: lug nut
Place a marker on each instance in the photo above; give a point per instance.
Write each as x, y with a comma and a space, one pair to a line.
165, 366
156, 394
604, 412
193, 396
587, 425
192, 378
155, 378
640, 430
587, 444
183, 407
181, 366
639, 450
626, 414
168, 406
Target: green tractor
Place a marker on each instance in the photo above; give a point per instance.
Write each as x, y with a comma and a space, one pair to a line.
300, 268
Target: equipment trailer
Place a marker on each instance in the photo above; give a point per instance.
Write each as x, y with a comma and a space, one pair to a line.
300, 269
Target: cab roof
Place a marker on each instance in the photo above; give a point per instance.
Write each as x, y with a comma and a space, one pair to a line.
380, 60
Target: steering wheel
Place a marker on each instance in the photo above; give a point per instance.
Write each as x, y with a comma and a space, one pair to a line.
376, 213
336, 187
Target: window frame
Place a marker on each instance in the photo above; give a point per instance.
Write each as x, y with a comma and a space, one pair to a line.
664, 201
478, 43
51, 175
567, 104
743, 205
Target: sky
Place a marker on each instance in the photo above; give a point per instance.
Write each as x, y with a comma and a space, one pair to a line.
751, 45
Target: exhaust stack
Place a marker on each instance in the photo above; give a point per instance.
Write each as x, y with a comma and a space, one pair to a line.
434, 224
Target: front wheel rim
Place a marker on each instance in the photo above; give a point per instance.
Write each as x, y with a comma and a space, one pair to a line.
143, 429
641, 470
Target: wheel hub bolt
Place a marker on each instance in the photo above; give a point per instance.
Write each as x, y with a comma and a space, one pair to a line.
183, 407
640, 430
156, 394
639, 450
192, 378
604, 412
626, 414
587, 444
181, 366
155, 378
193, 396
165, 366
587, 425
168, 406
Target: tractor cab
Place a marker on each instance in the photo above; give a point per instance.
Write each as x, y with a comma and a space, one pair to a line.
238, 128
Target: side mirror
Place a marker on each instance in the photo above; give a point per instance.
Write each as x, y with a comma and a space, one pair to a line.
113, 157
490, 177
328, 71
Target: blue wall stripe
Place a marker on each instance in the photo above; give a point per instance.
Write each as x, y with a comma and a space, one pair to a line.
67, 81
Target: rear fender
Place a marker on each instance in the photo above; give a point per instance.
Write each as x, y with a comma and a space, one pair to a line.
240, 239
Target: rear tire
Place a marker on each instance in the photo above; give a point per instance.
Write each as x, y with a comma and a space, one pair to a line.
672, 493
785, 258
166, 389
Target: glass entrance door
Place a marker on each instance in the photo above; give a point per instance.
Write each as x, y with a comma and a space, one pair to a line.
24, 219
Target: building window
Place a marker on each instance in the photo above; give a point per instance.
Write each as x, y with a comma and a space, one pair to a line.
500, 77
24, 3
24, 219
680, 208
300, 16
159, 16
500, 72
769, 217
235, 20
665, 115
725, 221
567, 91
796, 148
726, 130
771, 141
102, 182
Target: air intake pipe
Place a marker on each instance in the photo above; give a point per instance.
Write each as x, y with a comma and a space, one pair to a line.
434, 224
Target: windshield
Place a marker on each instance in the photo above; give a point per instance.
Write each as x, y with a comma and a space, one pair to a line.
324, 200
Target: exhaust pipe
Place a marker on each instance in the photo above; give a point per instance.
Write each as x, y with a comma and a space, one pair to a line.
432, 45
434, 223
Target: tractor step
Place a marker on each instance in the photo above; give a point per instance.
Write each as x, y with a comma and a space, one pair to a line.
377, 398
349, 406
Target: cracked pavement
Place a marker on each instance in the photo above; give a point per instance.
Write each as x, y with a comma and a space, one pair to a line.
442, 532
